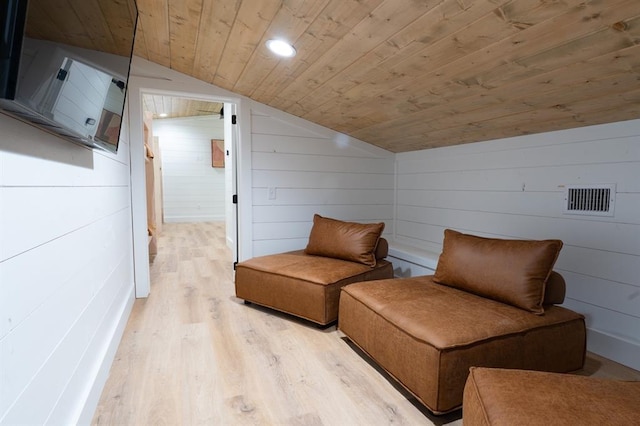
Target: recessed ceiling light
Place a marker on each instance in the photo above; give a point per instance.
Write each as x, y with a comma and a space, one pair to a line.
281, 48
163, 114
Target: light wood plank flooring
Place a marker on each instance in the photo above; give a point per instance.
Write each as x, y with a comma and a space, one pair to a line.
192, 353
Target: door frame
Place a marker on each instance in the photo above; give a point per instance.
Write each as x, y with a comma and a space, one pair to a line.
166, 84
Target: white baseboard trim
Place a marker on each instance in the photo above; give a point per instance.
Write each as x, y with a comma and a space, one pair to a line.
411, 261
93, 398
615, 348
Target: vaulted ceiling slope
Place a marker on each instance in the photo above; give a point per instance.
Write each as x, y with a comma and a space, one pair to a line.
406, 74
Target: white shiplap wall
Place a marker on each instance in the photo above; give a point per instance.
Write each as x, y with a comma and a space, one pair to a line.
311, 169
514, 188
193, 190
66, 273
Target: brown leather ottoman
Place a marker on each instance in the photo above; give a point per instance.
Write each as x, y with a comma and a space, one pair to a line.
303, 285
516, 397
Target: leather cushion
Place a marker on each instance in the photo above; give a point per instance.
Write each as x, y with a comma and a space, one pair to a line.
510, 271
351, 241
494, 396
446, 317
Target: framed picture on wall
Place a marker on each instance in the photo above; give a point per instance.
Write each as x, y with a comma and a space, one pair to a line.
217, 153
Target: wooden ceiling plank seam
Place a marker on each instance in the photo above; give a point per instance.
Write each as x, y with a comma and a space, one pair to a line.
473, 94
595, 29
478, 34
584, 104
522, 124
479, 112
545, 38
413, 87
154, 17
213, 35
120, 23
570, 69
525, 127
572, 47
558, 96
139, 42
446, 83
351, 74
289, 24
330, 26
158, 41
402, 52
247, 31
367, 34
184, 18
373, 30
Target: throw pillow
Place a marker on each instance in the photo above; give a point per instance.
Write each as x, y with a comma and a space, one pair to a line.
351, 241
510, 271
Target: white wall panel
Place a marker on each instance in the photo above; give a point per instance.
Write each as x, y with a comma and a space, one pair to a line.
531, 203
315, 163
532, 153
319, 196
193, 190
354, 213
304, 145
573, 230
512, 179
612, 295
66, 272
311, 170
282, 230
263, 123
39, 216
35, 358
603, 264
265, 247
314, 180
514, 188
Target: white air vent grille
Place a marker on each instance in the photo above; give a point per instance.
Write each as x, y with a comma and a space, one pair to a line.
593, 200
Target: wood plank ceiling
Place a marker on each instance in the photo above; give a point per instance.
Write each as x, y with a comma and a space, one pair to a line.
175, 107
407, 74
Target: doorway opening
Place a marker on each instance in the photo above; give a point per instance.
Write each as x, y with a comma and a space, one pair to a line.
191, 163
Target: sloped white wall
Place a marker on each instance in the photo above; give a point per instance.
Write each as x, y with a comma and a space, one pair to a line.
66, 273
309, 169
193, 190
514, 188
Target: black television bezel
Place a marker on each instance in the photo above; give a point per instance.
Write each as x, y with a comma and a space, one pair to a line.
13, 17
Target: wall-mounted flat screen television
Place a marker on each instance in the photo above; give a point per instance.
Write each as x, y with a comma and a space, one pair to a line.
64, 66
